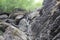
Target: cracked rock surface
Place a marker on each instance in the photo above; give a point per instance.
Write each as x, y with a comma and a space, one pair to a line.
41, 24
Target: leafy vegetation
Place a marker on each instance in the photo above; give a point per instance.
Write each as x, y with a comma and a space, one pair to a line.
9, 5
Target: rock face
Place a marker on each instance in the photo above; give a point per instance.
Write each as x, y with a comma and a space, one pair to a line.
46, 27
12, 33
41, 24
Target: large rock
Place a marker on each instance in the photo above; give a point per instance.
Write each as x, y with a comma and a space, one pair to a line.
13, 33
1, 38
46, 27
23, 25
3, 17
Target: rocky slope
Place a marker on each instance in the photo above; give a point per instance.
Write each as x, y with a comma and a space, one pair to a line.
41, 24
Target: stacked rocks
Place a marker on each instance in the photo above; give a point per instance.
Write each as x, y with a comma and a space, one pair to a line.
41, 24
16, 25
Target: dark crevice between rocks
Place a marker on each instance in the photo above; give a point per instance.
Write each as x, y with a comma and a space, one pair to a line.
2, 28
